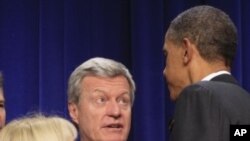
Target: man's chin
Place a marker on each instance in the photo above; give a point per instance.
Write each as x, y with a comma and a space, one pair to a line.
113, 138
172, 97
114, 134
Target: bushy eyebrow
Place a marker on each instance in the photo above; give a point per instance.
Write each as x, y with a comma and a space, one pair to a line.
126, 93
99, 91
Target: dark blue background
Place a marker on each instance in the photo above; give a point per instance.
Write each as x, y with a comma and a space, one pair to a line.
42, 41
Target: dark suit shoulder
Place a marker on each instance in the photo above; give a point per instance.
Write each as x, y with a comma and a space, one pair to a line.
205, 110
230, 98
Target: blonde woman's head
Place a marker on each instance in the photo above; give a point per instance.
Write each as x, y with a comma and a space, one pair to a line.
39, 128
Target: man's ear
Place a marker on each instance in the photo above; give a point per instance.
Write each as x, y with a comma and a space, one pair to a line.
73, 112
187, 50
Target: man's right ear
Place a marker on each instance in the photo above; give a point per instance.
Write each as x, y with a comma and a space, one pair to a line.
73, 112
188, 50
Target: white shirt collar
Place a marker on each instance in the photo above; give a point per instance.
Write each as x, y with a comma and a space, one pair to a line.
212, 75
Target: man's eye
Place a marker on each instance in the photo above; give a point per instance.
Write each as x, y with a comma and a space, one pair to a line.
124, 101
101, 100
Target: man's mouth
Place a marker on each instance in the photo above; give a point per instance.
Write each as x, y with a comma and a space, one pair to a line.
114, 126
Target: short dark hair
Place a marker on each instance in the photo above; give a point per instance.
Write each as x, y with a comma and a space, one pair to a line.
210, 29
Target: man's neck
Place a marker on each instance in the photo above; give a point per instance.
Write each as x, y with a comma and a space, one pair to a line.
198, 72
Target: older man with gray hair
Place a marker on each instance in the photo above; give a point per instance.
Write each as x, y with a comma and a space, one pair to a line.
100, 98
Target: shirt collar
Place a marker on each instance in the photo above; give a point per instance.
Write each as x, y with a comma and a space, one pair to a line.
212, 75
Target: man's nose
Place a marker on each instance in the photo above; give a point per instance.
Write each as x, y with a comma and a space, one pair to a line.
114, 110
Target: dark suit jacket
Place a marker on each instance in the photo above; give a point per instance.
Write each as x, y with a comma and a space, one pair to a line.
205, 110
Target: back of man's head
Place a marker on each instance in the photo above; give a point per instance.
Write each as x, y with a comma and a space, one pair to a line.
210, 29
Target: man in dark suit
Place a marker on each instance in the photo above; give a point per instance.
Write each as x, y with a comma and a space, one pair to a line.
199, 47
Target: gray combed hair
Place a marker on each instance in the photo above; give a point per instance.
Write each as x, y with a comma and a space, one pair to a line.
97, 66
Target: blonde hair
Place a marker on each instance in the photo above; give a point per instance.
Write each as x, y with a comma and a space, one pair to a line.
39, 128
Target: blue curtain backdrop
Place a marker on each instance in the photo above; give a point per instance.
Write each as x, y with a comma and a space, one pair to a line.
42, 41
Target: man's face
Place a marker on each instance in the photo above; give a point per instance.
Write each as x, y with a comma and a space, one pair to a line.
104, 109
2, 109
174, 68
